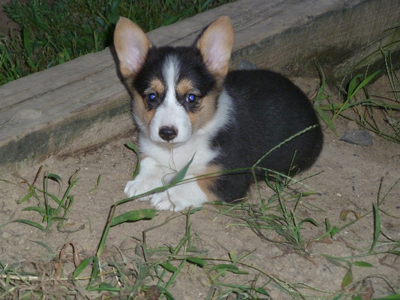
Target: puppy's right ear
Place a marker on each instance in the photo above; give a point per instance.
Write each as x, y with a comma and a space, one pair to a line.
131, 45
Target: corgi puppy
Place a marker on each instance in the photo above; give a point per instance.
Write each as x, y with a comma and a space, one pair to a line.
187, 105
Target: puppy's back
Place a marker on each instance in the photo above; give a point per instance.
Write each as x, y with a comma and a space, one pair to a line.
268, 109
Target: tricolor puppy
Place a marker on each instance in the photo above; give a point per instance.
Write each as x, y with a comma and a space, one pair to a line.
186, 103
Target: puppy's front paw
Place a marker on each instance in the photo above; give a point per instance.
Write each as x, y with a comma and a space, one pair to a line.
140, 186
179, 197
149, 178
162, 201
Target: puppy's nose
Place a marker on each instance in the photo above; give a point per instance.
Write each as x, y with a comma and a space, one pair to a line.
167, 133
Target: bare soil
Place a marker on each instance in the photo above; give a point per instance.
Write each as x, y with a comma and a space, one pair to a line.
350, 179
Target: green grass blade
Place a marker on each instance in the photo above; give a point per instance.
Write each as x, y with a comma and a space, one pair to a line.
364, 83
66, 54
97, 184
182, 173
318, 101
44, 246
28, 196
352, 86
205, 5
104, 286
325, 118
348, 278
262, 292
227, 267
27, 42
55, 198
172, 278
391, 297
133, 147
133, 216
197, 261
103, 240
82, 266
31, 223
193, 210
2, 225
40, 210
362, 264
377, 226
168, 266
166, 293
95, 272
54, 177
308, 220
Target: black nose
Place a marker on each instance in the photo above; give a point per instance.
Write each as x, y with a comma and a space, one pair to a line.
167, 133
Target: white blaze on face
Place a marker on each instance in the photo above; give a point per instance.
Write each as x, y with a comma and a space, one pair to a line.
170, 113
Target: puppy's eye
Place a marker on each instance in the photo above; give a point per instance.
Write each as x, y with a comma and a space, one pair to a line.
151, 97
190, 98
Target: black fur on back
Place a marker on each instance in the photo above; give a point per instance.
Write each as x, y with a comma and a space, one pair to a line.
268, 109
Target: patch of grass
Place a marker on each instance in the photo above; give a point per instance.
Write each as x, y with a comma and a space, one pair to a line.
389, 246
149, 273
359, 107
53, 208
56, 31
381, 115
273, 215
377, 113
274, 221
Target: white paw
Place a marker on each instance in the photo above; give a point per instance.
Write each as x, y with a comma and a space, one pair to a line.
139, 186
149, 178
179, 197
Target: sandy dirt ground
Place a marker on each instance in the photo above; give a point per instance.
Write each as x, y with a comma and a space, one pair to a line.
347, 177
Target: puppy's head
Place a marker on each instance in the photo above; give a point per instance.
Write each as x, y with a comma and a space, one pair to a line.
175, 90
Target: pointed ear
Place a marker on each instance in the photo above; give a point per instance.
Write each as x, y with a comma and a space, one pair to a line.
131, 45
215, 45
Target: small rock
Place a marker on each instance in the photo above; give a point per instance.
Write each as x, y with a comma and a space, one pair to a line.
357, 137
6, 235
246, 65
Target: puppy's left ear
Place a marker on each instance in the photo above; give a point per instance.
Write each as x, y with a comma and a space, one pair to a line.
131, 45
215, 45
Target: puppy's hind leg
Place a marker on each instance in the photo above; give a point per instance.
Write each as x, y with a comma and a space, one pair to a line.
232, 187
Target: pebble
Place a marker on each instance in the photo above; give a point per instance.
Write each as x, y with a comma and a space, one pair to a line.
246, 65
357, 137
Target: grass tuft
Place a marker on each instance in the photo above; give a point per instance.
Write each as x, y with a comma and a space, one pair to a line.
377, 113
53, 208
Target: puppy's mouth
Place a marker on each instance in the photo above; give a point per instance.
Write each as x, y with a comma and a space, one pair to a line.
170, 145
